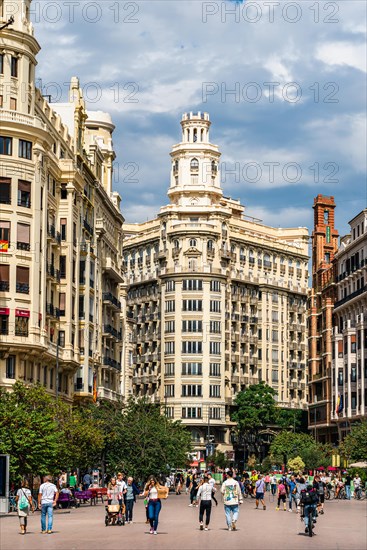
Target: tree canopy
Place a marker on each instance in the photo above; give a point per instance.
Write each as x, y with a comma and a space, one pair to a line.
354, 446
256, 408
287, 445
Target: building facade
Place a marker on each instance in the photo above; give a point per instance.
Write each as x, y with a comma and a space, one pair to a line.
216, 301
349, 339
321, 304
60, 232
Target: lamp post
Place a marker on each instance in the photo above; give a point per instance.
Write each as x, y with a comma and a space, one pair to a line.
10, 21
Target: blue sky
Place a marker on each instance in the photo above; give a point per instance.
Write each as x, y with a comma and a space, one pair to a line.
293, 126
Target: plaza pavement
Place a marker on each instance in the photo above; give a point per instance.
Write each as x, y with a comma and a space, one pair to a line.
342, 527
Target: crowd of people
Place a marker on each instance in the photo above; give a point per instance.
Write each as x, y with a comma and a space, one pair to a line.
300, 492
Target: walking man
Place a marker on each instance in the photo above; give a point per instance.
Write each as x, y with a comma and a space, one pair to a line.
232, 498
47, 499
260, 490
130, 498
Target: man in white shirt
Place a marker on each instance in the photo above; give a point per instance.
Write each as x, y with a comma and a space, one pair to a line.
47, 499
121, 484
232, 497
357, 484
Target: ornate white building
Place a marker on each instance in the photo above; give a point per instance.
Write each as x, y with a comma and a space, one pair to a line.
60, 231
216, 301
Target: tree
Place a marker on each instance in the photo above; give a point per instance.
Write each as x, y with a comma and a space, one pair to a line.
218, 459
296, 464
288, 445
256, 408
354, 446
28, 430
150, 442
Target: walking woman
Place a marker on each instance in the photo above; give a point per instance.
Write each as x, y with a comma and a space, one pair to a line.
153, 491
24, 503
205, 493
194, 486
282, 495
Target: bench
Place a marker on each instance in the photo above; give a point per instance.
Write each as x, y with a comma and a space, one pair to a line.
65, 500
84, 496
98, 493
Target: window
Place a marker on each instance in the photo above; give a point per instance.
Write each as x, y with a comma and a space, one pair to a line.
170, 286
4, 277
191, 412
215, 286
21, 325
215, 413
23, 236
192, 305
192, 284
274, 376
24, 193
214, 348
192, 369
1, 60
14, 67
215, 306
275, 355
63, 267
4, 234
4, 321
191, 390
13, 104
169, 412
22, 280
63, 192
6, 145
63, 225
62, 300
214, 390
61, 338
214, 369
169, 348
192, 347
5, 191
215, 327
10, 367
25, 149
210, 245
194, 165
275, 336
170, 306
192, 326
169, 390
169, 369
169, 326
52, 378
193, 243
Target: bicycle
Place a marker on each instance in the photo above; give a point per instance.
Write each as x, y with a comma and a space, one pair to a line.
311, 518
359, 494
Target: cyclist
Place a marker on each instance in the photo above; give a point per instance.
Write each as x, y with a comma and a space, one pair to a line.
309, 500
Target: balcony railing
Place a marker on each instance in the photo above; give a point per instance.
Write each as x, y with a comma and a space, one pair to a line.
4, 286
23, 246
88, 227
351, 296
109, 297
111, 363
23, 288
109, 329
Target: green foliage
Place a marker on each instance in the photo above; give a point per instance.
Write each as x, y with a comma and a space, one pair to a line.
28, 430
256, 408
151, 443
289, 418
219, 460
296, 464
288, 445
354, 446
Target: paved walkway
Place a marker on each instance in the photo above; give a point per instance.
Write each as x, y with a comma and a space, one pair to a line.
342, 527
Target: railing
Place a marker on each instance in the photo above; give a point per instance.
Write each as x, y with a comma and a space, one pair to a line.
88, 227
22, 288
19, 118
111, 330
4, 286
109, 297
351, 296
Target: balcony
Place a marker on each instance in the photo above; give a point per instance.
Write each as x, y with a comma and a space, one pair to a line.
22, 288
87, 226
23, 119
52, 311
109, 297
113, 269
109, 329
351, 296
4, 286
23, 246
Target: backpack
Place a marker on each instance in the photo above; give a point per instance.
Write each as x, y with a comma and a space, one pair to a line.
23, 501
308, 497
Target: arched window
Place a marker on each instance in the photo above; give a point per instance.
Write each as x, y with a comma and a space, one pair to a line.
251, 253
266, 257
175, 166
194, 164
282, 260
214, 167
224, 229
176, 244
202, 134
290, 262
195, 135
210, 245
193, 242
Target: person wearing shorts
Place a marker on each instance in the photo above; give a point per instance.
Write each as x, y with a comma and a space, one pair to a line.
282, 495
260, 490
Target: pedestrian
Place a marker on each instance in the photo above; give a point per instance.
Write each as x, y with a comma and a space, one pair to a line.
282, 495
267, 482
292, 489
232, 498
212, 483
24, 504
347, 484
130, 498
153, 491
73, 480
121, 483
188, 481
300, 486
357, 484
47, 500
273, 484
260, 490
194, 485
319, 487
87, 481
205, 493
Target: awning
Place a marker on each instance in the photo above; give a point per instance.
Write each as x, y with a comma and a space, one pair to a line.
4, 311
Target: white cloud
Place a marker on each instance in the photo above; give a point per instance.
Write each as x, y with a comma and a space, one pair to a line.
343, 53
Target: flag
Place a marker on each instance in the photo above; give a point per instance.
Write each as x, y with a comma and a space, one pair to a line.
4, 246
339, 404
94, 387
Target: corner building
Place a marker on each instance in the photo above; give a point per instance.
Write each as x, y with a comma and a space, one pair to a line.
60, 231
215, 300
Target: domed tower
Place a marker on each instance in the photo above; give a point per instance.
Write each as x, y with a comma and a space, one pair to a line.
18, 50
195, 177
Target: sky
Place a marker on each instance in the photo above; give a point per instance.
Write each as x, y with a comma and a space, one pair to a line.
284, 84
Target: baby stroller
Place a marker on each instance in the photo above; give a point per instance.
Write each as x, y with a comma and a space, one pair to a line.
115, 514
